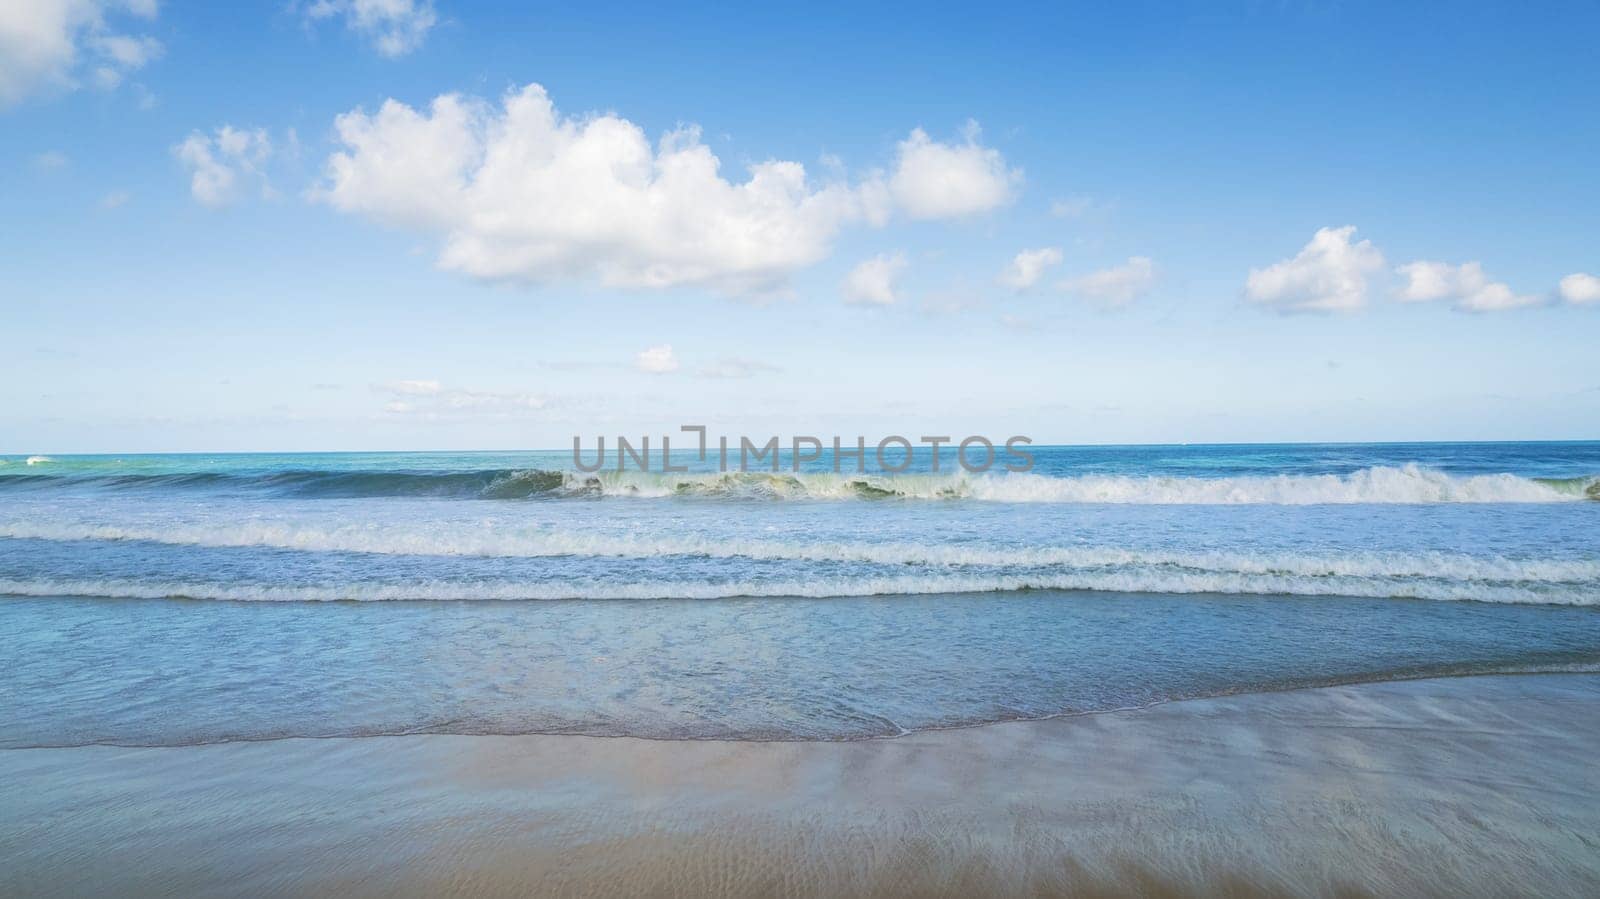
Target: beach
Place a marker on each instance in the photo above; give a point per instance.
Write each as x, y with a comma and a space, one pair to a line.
494, 450
1168, 670
1446, 786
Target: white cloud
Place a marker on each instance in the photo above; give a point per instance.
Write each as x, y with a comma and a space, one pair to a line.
657, 360
1465, 285
934, 180
393, 27
50, 160
1328, 275
430, 399
1579, 288
873, 281
127, 51
733, 367
1028, 267
220, 166
1118, 285
115, 199
1426, 281
521, 193
412, 388
122, 54
48, 44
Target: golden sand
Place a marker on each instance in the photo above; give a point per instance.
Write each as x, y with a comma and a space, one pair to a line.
1476, 786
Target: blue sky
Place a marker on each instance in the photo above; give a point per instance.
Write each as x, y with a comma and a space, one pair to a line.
1184, 175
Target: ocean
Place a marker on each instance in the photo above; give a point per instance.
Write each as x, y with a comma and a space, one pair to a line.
166, 600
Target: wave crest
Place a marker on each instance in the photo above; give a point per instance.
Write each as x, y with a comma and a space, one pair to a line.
1380, 484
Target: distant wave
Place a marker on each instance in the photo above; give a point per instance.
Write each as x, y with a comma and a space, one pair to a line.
487, 484
1380, 484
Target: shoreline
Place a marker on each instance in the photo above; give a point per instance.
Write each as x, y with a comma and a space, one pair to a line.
1474, 785
1552, 670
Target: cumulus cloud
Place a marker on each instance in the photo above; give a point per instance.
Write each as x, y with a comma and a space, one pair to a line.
1579, 288
48, 44
1464, 285
223, 164
393, 27
431, 399
1118, 285
934, 180
1328, 275
522, 193
1028, 267
517, 191
657, 360
873, 281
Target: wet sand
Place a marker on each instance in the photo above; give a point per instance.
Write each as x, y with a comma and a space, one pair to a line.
1476, 786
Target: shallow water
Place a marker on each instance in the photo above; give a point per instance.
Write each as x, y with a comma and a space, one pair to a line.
133, 589
180, 672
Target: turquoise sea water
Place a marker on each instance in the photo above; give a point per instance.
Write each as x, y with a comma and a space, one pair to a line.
180, 599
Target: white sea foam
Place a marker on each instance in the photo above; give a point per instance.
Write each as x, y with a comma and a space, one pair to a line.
39, 460
1380, 484
485, 540
1409, 484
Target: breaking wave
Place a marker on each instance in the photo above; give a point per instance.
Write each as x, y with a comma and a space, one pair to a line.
1379, 484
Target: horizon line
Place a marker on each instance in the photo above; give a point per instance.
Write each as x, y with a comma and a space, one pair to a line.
921, 448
